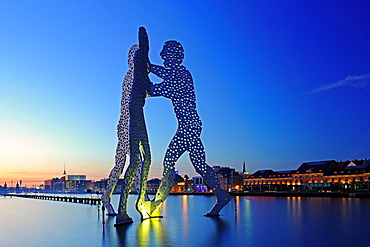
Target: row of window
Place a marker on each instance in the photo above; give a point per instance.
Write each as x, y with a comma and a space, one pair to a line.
312, 180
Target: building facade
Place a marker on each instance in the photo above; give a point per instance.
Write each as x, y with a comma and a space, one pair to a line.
318, 176
69, 184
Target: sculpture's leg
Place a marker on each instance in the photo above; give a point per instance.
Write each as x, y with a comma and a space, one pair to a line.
111, 184
173, 153
123, 217
163, 191
197, 157
143, 204
137, 179
222, 197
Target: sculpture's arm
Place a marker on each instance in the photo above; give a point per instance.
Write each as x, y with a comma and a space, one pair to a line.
143, 40
144, 48
159, 71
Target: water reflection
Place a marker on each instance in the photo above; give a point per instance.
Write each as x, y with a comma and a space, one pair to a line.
184, 214
257, 221
243, 217
220, 230
151, 232
124, 237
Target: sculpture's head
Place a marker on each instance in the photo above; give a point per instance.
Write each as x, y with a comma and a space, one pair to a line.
172, 54
131, 55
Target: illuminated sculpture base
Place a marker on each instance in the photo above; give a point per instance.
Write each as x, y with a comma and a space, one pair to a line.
150, 209
123, 219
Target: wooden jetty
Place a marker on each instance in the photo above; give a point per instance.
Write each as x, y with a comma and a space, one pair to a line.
84, 200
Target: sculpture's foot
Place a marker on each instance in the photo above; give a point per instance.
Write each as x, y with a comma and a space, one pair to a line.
148, 209
157, 208
114, 214
211, 215
144, 208
123, 219
221, 202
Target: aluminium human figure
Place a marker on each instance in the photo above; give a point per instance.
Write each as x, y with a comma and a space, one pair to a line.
133, 145
123, 134
178, 86
139, 141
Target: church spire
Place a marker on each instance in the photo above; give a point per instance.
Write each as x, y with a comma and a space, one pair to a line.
244, 169
64, 173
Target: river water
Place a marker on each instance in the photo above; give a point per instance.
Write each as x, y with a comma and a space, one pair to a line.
247, 221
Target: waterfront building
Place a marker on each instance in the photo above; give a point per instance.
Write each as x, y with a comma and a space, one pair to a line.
2, 189
100, 186
69, 184
78, 186
189, 184
198, 184
310, 176
52, 185
350, 176
179, 185
153, 185
318, 176
268, 180
230, 180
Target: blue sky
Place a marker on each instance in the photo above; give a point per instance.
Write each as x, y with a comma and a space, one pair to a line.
278, 83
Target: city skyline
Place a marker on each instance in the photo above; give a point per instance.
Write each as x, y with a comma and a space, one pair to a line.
277, 83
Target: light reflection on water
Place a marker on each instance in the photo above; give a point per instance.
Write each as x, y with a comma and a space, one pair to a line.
246, 221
